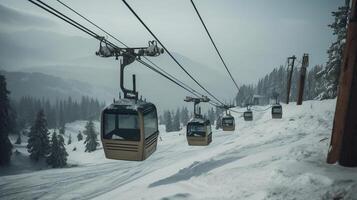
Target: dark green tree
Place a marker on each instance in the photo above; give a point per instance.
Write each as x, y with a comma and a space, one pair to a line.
58, 154
184, 116
329, 77
176, 121
91, 140
79, 136
168, 121
69, 139
5, 127
18, 140
38, 143
62, 130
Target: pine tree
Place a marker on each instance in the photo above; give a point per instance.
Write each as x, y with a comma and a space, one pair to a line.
69, 139
176, 121
38, 142
79, 136
184, 116
91, 137
5, 144
330, 75
18, 140
62, 130
58, 154
168, 121
219, 122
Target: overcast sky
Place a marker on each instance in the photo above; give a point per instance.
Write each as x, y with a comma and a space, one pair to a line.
254, 36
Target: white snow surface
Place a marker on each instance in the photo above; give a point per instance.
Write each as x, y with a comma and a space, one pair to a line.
262, 159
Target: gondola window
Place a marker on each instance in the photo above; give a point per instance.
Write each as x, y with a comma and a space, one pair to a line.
109, 125
196, 130
150, 123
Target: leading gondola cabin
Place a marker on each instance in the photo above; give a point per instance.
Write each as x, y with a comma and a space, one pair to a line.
129, 130
277, 111
199, 132
248, 115
228, 123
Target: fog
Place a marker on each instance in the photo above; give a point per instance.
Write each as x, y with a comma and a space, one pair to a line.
253, 36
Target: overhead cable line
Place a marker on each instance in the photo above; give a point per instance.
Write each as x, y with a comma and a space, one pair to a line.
115, 38
210, 37
167, 51
67, 19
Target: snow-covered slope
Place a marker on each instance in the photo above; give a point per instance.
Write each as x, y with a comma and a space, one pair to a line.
262, 159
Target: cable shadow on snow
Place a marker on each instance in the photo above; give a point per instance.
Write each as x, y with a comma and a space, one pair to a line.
195, 169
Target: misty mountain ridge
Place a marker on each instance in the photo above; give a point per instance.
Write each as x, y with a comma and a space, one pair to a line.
40, 85
13, 17
73, 57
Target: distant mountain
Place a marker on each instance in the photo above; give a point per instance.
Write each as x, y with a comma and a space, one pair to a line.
37, 48
51, 87
13, 17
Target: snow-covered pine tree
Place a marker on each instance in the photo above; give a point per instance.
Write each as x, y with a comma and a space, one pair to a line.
91, 137
218, 122
330, 74
176, 121
18, 140
184, 116
62, 130
211, 116
69, 139
38, 143
58, 154
168, 121
5, 144
79, 136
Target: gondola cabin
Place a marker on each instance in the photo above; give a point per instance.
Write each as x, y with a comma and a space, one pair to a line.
228, 123
129, 130
199, 132
248, 115
277, 111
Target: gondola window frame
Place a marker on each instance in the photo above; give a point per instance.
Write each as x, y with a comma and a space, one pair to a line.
153, 119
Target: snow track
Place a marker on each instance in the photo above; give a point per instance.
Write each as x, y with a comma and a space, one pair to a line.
262, 159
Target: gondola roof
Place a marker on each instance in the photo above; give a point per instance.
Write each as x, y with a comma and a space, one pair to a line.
130, 104
227, 117
198, 120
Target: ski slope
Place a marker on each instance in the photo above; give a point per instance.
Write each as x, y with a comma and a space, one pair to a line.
261, 159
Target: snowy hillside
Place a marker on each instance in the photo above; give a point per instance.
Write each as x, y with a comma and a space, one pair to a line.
262, 159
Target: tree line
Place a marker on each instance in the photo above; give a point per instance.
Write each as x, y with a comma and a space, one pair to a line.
175, 121
57, 113
32, 112
53, 150
276, 82
321, 80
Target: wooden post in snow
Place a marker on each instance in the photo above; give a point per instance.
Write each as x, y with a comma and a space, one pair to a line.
290, 75
305, 63
343, 146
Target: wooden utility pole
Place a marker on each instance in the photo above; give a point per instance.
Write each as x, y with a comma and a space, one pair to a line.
290, 75
343, 146
305, 63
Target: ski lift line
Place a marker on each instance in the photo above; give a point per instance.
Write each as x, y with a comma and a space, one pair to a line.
64, 19
210, 37
65, 5
172, 57
172, 80
67, 19
115, 38
263, 109
96, 36
193, 90
85, 18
